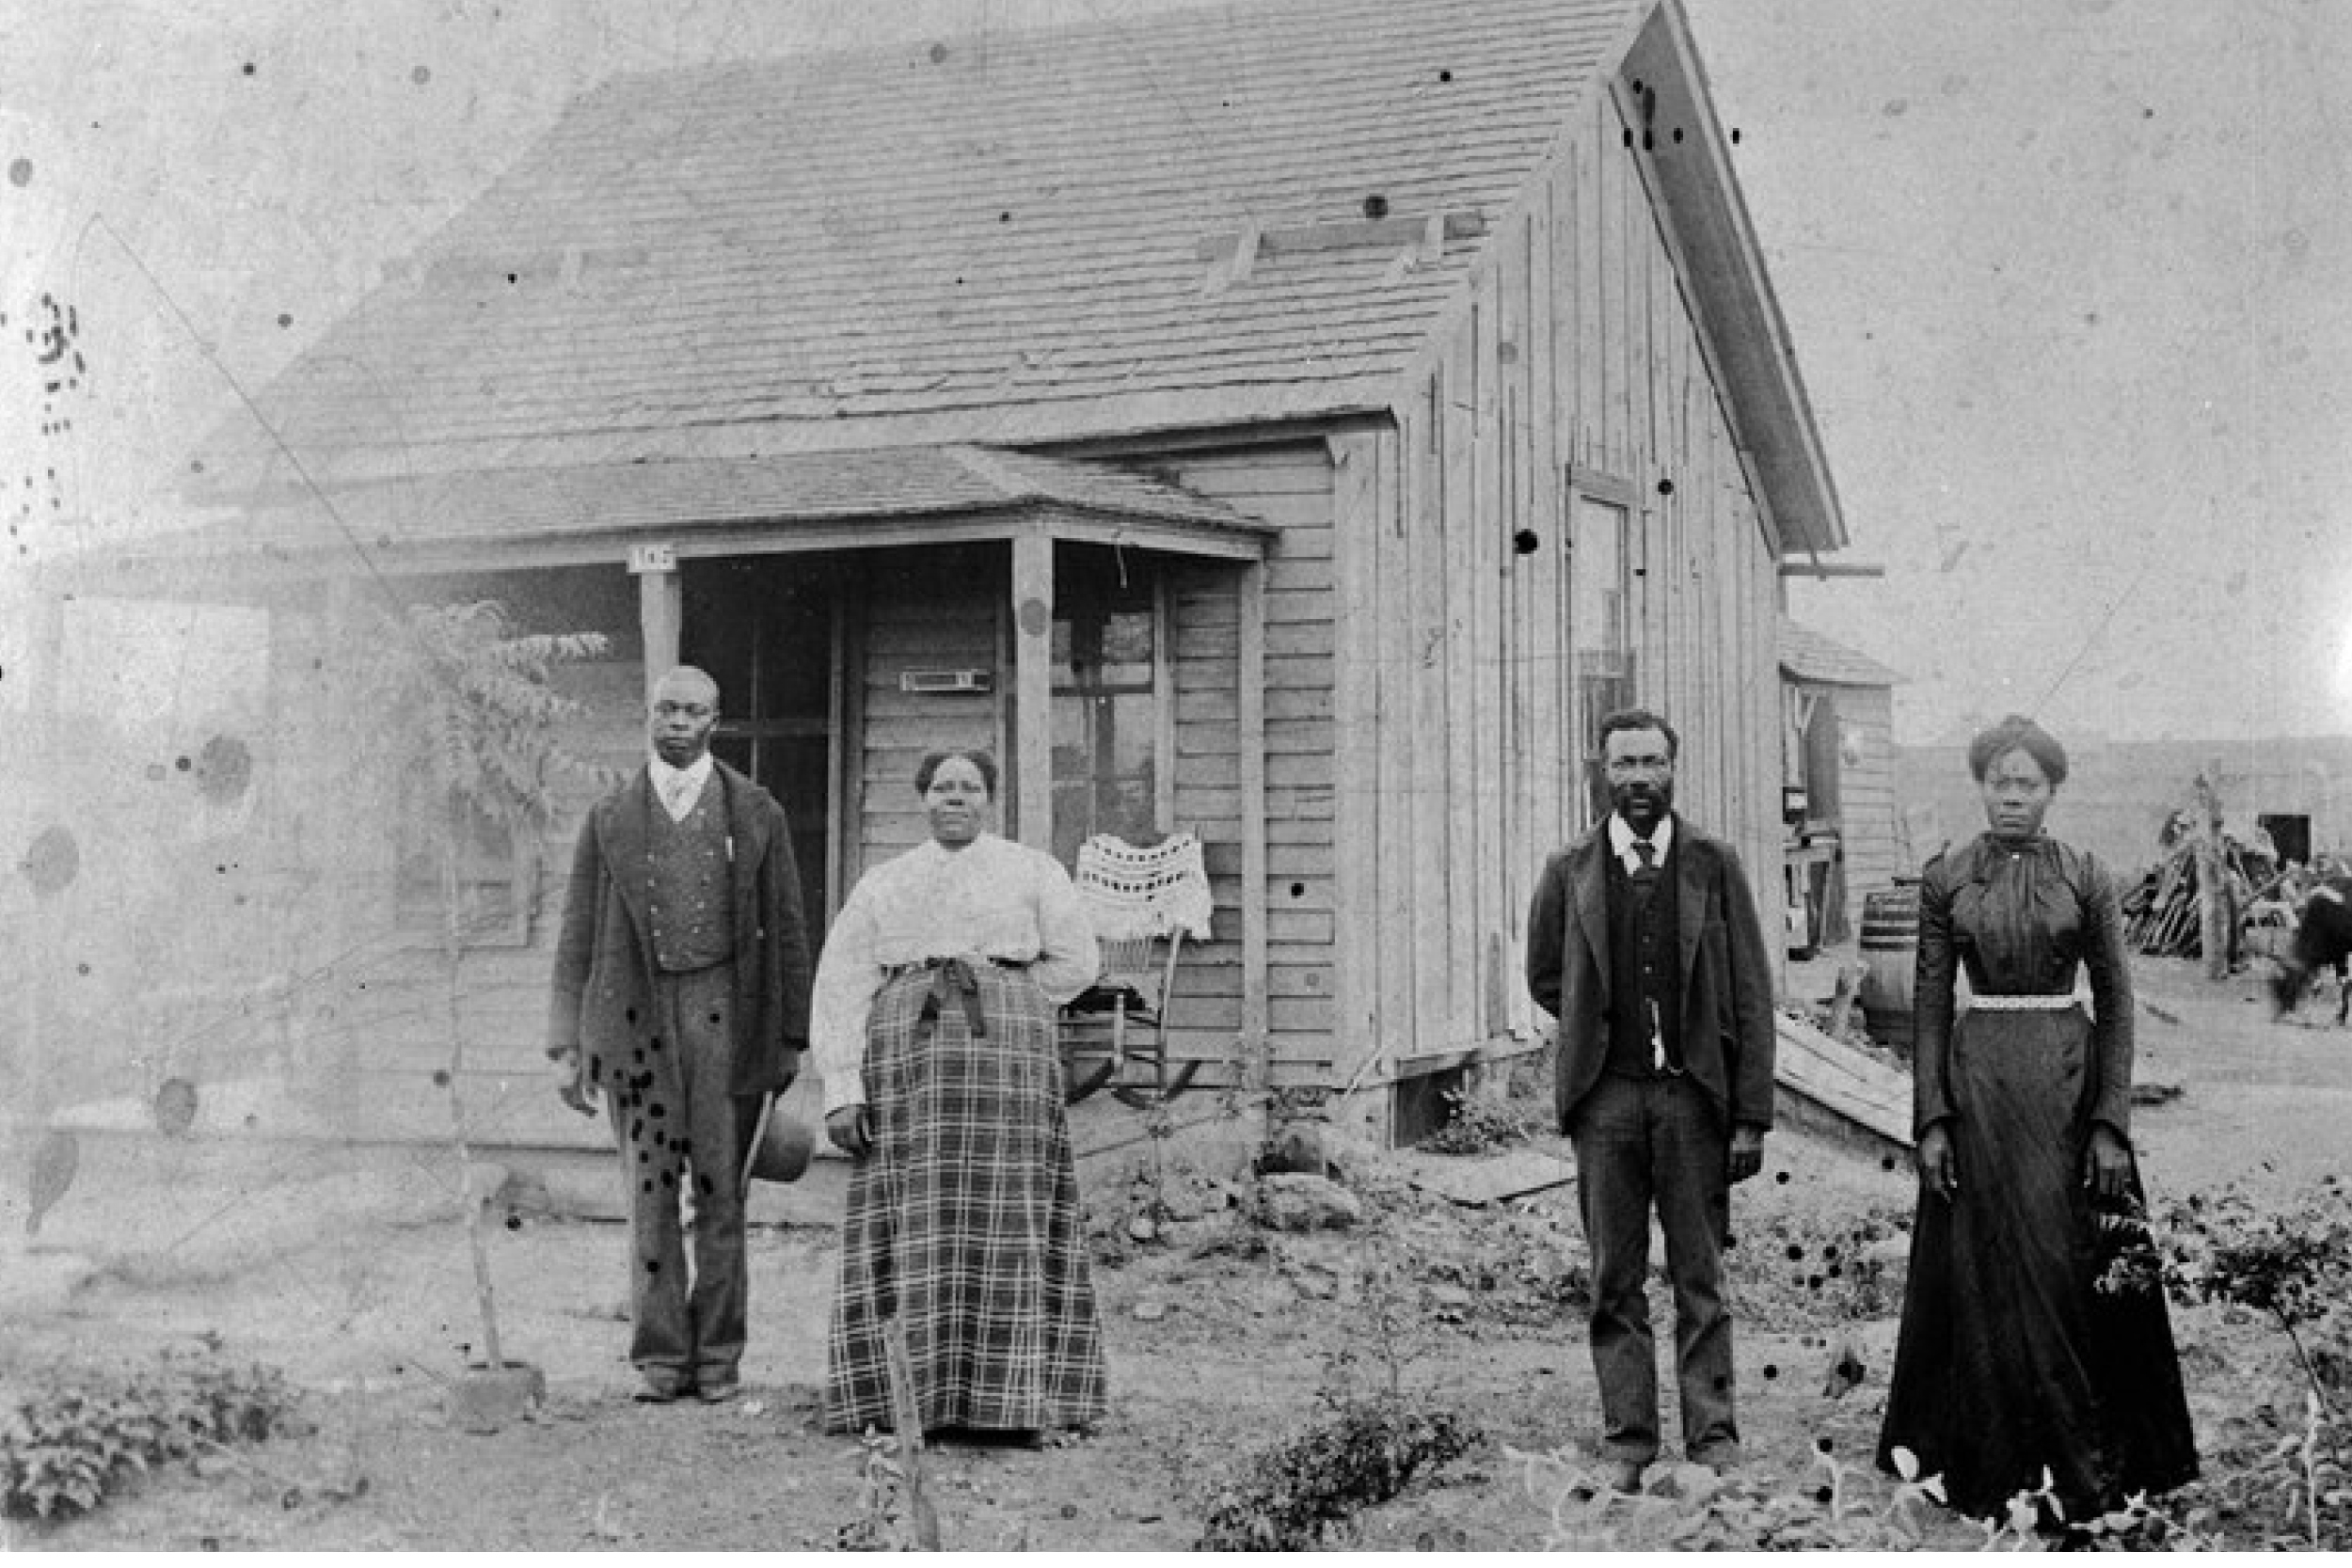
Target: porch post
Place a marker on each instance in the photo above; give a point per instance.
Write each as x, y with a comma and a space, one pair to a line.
1033, 686
1253, 806
661, 609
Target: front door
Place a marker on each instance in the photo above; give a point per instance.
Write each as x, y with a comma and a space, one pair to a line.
763, 627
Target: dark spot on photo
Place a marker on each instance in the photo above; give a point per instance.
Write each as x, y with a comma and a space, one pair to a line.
20, 172
420, 75
1375, 206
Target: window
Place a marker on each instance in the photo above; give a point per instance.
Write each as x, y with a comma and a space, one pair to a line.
1600, 627
1107, 648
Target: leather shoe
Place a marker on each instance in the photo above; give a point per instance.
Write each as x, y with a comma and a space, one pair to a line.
718, 1392
660, 1390
1625, 1475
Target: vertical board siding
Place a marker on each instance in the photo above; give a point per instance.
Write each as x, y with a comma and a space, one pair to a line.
1867, 794
1575, 345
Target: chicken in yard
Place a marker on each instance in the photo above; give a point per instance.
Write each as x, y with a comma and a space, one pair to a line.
55, 1158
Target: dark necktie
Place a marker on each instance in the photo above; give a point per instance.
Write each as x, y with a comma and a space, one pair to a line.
1647, 870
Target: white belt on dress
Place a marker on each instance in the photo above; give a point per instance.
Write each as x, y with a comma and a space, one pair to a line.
2032, 1003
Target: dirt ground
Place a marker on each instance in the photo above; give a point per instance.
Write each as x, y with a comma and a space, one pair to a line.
348, 1270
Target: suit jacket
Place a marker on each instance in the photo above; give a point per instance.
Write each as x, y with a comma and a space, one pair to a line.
604, 968
1725, 978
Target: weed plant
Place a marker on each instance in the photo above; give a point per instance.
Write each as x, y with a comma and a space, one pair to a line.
78, 1433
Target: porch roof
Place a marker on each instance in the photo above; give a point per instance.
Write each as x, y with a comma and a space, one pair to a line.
488, 519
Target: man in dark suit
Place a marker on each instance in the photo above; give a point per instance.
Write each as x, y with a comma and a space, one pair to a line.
1644, 943
681, 995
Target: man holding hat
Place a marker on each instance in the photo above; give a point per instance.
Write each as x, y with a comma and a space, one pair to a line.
681, 996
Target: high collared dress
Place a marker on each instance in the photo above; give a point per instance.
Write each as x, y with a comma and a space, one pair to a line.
2011, 1357
934, 1006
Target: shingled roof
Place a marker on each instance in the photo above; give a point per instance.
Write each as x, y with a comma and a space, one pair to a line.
1019, 236
1808, 656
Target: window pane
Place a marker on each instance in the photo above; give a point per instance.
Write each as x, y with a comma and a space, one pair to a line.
1123, 806
1072, 724
1105, 647
1074, 818
1129, 743
1127, 646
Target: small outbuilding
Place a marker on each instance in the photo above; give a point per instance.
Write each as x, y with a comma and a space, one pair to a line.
1838, 798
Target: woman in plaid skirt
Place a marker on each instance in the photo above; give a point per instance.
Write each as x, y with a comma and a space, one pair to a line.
934, 1030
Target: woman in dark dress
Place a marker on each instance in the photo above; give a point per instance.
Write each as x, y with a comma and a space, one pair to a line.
2011, 1360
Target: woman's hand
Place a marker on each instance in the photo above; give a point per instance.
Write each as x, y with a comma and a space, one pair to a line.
1939, 1172
2107, 1163
851, 1129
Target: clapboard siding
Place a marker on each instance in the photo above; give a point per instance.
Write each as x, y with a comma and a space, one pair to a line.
923, 611
1289, 486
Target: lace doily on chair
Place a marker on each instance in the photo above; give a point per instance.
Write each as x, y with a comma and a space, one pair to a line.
1133, 892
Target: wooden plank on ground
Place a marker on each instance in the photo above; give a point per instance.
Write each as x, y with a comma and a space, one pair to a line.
1481, 1180
1850, 1085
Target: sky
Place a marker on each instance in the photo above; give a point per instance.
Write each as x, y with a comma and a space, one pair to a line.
2067, 281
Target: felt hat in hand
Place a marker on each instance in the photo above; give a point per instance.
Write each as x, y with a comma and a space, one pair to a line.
780, 1145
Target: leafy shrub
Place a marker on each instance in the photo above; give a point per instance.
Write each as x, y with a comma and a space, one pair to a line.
1288, 1496
2292, 1263
1474, 1126
70, 1439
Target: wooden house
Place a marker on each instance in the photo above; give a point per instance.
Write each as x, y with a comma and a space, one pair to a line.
1291, 423
1839, 753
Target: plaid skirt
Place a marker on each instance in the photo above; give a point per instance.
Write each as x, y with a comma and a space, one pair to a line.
963, 1221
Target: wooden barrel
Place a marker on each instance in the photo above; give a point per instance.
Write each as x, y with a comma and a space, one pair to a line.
1890, 951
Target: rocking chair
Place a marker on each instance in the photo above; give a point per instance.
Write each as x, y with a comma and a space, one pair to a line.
1144, 902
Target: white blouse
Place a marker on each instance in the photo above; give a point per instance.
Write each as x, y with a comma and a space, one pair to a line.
992, 898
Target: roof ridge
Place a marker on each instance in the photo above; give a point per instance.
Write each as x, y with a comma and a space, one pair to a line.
1285, 15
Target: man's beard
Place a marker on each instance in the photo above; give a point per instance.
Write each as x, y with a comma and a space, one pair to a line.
1633, 803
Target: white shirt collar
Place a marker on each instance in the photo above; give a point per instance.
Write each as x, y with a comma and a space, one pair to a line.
1621, 837
677, 788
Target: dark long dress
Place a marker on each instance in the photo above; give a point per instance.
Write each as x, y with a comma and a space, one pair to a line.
2009, 1360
